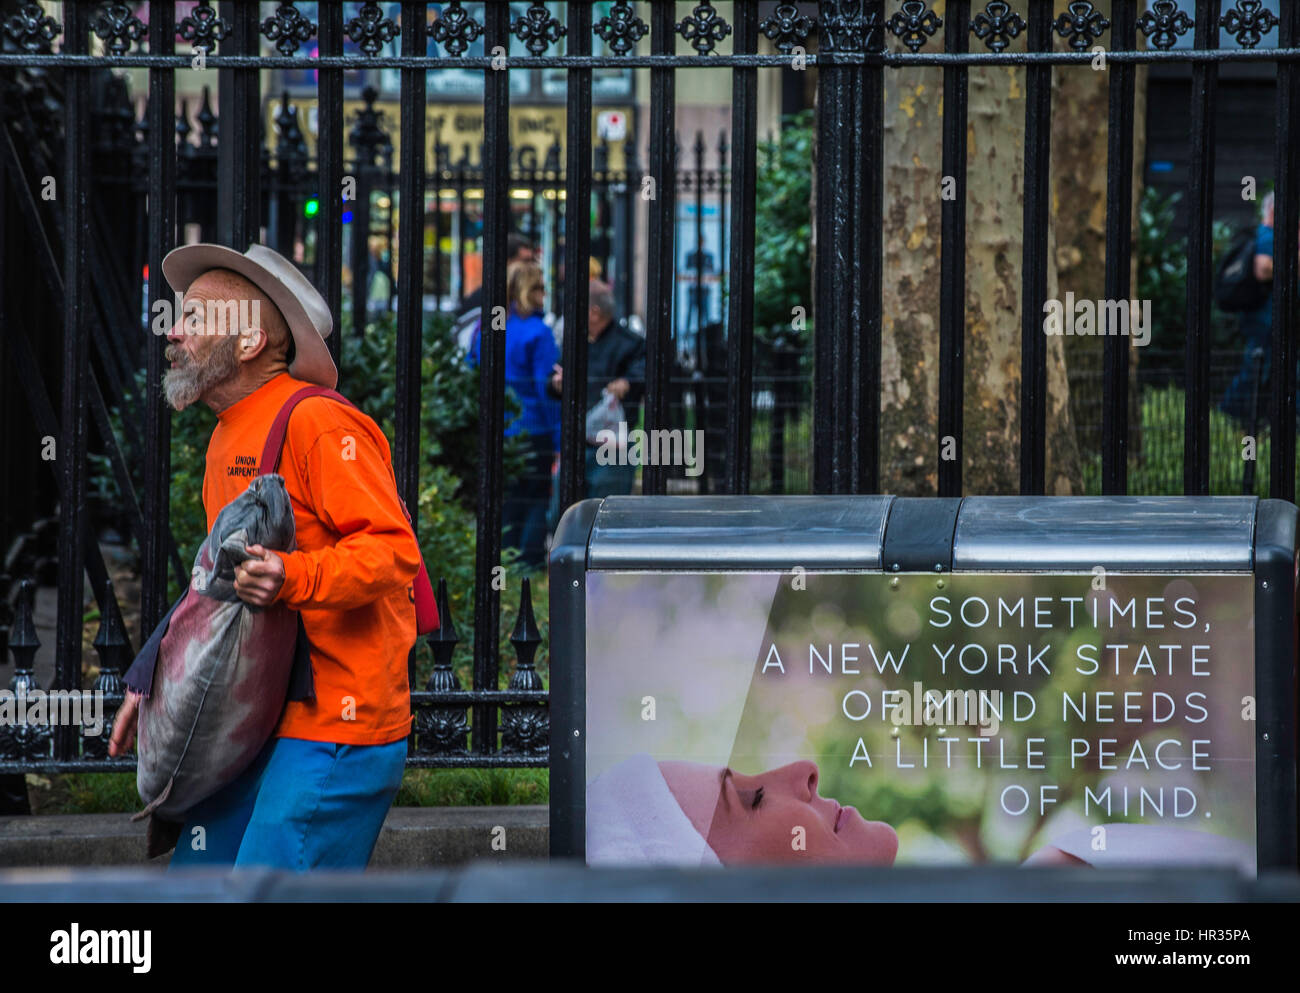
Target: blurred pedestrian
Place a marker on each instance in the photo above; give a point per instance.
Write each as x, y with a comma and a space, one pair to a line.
530, 359
615, 362
1248, 388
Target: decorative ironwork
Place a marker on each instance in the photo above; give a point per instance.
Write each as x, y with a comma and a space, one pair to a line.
455, 30
1248, 22
118, 27
203, 28
538, 29
1081, 23
371, 29
442, 730
703, 28
111, 646
525, 727
914, 23
621, 29
288, 29
996, 25
1163, 23
21, 741
32, 30
786, 27
291, 147
850, 29
368, 136
208, 125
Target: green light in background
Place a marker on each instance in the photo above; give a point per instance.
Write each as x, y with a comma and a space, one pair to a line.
311, 208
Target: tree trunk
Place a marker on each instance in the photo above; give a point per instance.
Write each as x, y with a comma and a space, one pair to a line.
1080, 112
910, 447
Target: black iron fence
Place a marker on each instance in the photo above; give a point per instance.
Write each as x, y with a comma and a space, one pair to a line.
50, 80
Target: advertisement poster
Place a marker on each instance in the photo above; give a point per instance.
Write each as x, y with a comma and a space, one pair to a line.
1087, 720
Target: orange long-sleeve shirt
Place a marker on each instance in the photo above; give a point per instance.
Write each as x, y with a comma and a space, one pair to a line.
351, 576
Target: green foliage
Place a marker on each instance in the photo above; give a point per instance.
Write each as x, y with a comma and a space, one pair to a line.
472, 787
449, 402
783, 225
1162, 271
1158, 467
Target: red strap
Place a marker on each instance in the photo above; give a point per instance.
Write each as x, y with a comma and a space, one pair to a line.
426, 606
274, 446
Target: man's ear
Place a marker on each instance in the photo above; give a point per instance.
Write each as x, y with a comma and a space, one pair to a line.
251, 344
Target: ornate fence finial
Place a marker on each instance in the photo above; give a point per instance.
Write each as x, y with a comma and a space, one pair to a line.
22, 741
1163, 23
849, 28
203, 28
113, 650
288, 29
785, 27
538, 29
914, 23
703, 28
33, 30
621, 29
1248, 22
525, 727
1081, 23
371, 29
118, 27
996, 25
368, 136
455, 30
209, 126
442, 729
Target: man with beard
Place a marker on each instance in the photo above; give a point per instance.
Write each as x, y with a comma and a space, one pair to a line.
318, 793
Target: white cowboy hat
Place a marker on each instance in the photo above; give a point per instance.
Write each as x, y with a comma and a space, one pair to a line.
304, 309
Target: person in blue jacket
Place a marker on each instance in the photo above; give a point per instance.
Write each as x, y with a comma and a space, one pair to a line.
531, 355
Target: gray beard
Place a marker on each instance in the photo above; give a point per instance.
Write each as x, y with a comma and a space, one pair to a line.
188, 383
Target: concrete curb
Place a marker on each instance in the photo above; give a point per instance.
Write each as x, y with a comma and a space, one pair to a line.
412, 837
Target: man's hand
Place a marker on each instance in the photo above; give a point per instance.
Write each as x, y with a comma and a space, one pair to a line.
557, 378
124, 722
618, 387
258, 580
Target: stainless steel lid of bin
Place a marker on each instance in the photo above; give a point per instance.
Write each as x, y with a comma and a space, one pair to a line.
738, 532
1138, 533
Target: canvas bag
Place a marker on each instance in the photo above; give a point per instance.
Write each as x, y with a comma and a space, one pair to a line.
215, 673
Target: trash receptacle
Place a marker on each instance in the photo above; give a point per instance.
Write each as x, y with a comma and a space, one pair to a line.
1095, 681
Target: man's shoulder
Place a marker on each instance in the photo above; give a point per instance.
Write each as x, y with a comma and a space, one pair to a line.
320, 415
628, 341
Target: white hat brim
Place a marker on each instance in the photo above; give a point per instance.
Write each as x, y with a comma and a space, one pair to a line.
312, 361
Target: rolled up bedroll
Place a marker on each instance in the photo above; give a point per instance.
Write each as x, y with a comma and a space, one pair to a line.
215, 674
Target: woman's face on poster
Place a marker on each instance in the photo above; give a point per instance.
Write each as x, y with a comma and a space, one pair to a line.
775, 816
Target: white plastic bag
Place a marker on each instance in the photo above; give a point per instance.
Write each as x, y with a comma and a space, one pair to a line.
606, 415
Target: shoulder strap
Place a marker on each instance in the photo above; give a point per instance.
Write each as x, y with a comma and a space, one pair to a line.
274, 446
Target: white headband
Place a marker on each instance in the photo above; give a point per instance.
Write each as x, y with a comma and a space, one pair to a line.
634, 819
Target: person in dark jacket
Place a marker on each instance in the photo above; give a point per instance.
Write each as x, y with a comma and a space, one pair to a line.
615, 362
530, 359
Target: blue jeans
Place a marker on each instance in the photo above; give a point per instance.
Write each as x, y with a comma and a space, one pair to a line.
300, 805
